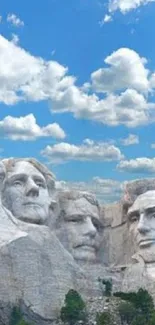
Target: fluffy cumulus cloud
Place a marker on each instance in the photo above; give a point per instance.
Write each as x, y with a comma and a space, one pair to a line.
106, 190
125, 84
130, 140
43, 79
26, 128
127, 70
126, 5
138, 165
92, 151
14, 20
128, 77
129, 108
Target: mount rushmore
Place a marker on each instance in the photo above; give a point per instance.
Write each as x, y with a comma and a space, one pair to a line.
53, 240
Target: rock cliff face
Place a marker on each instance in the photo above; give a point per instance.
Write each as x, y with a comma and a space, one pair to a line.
35, 268
51, 242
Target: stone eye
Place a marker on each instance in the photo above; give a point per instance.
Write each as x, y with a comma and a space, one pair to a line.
17, 182
40, 183
97, 225
76, 218
134, 218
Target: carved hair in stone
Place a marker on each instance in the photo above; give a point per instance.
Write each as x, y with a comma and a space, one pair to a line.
27, 189
78, 224
132, 190
137, 187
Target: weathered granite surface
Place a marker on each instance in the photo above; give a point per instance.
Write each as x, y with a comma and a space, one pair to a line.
51, 242
78, 225
34, 267
141, 226
137, 187
130, 233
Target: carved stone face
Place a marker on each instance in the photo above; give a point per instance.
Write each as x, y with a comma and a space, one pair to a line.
80, 229
141, 217
25, 193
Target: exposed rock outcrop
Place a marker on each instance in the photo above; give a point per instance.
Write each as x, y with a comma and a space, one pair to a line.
35, 268
49, 244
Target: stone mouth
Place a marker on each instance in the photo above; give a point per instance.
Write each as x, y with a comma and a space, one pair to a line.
32, 204
87, 247
146, 242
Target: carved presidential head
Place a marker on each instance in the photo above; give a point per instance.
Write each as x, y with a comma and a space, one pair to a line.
27, 189
78, 225
141, 218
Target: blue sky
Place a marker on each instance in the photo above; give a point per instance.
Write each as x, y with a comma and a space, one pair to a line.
77, 82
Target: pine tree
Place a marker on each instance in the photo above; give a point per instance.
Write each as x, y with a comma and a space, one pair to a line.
74, 309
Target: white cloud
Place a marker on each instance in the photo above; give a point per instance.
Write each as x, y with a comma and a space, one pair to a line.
26, 128
106, 19
126, 5
15, 39
106, 190
129, 108
138, 165
88, 142
86, 87
127, 70
41, 81
152, 80
14, 20
63, 152
130, 140
48, 80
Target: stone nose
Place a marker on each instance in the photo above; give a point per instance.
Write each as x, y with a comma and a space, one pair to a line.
90, 229
32, 189
143, 224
